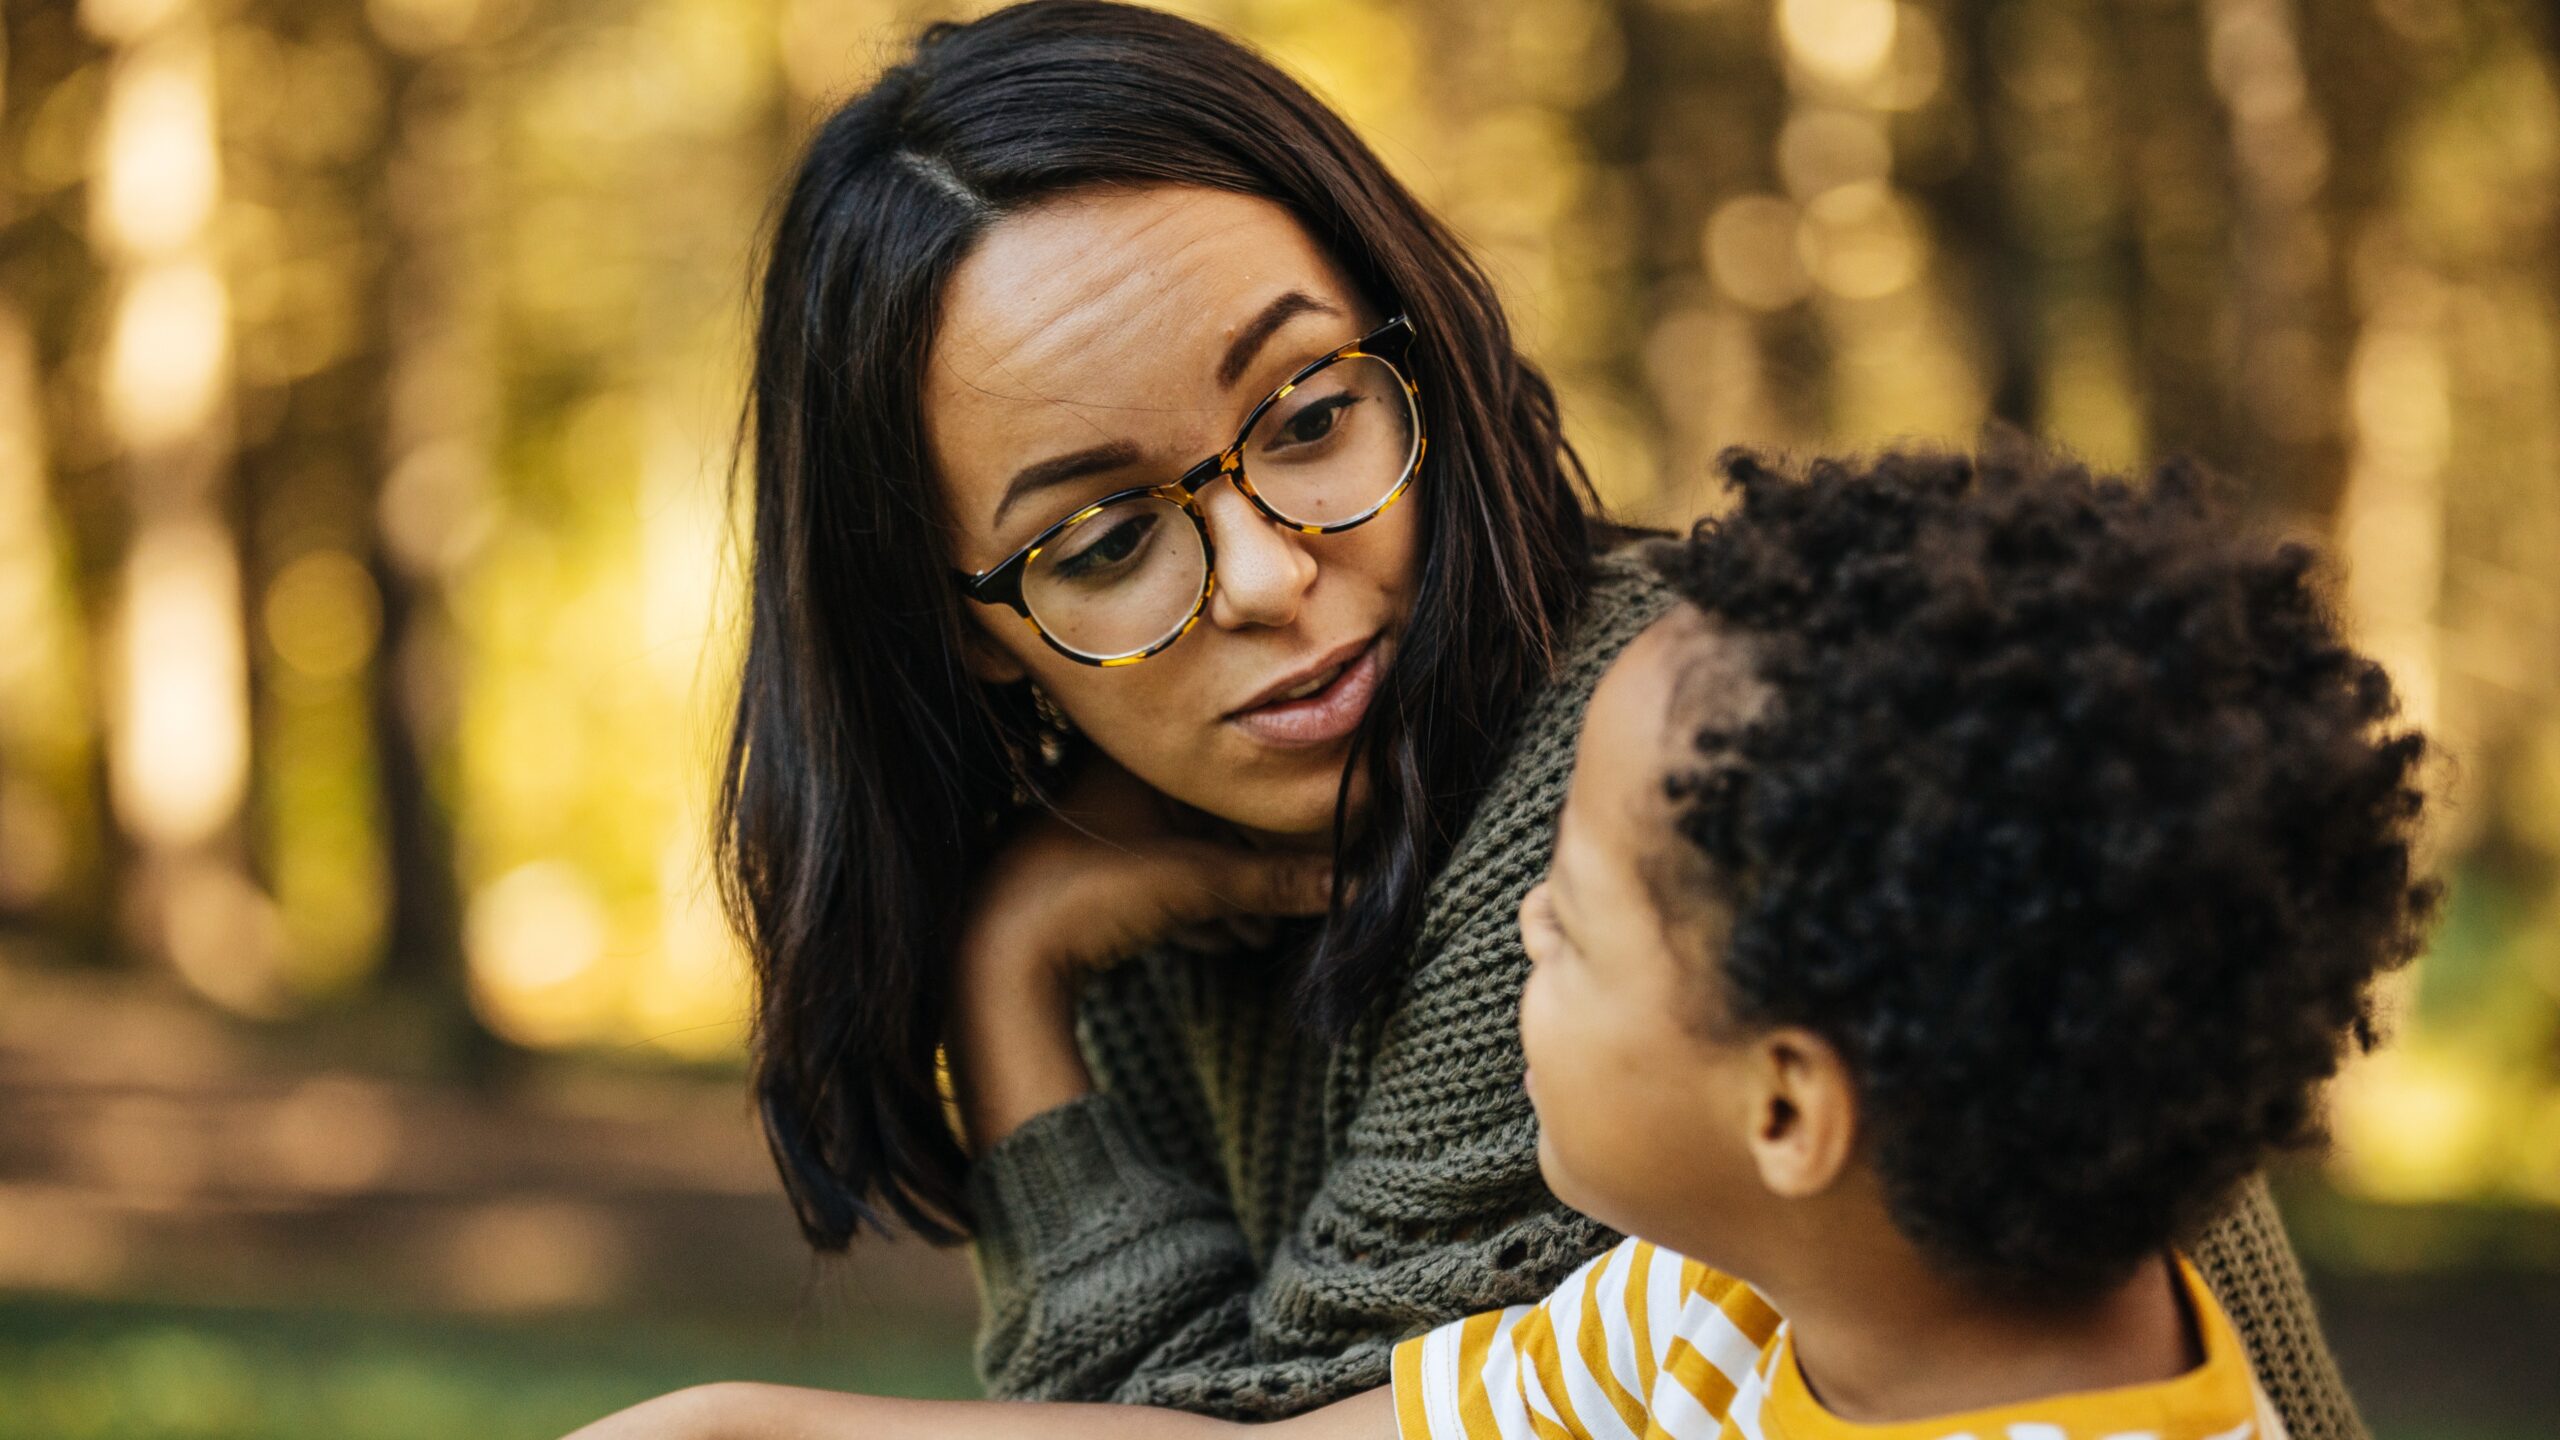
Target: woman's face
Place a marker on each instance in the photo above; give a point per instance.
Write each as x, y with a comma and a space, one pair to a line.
1136, 328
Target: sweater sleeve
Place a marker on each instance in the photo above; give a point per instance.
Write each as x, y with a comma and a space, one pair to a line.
2250, 1264
1105, 1241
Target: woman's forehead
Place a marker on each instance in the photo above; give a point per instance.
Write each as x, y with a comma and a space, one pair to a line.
1103, 316
1082, 297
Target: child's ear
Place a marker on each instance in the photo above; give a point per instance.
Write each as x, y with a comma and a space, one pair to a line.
1804, 1125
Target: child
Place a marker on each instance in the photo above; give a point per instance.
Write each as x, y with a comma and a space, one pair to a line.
1960, 893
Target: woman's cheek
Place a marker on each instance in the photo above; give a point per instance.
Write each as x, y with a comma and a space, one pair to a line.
1137, 724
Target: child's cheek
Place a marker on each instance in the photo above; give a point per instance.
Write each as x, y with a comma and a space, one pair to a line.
1531, 1029
1547, 1043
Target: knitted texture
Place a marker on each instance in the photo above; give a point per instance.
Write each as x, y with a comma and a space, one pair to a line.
2251, 1266
1243, 1222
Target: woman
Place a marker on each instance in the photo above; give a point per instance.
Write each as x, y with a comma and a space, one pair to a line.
1173, 605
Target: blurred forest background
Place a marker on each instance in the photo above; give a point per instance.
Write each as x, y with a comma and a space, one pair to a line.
368, 1038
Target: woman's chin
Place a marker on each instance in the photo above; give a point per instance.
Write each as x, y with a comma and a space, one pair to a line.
1296, 812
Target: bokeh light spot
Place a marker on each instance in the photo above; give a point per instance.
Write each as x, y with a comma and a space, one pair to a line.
1751, 252
536, 938
1861, 242
323, 614
1844, 41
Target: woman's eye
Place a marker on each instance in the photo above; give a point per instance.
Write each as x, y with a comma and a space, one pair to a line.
1113, 547
1316, 421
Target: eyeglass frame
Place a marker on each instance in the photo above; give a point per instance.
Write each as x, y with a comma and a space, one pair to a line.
1001, 584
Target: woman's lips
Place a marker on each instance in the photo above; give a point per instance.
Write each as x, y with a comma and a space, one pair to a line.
1322, 718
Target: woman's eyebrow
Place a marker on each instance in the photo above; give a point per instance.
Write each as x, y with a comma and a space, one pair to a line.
1249, 340
1059, 469
1120, 454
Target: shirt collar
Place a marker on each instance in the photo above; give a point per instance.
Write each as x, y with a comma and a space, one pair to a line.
2217, 1400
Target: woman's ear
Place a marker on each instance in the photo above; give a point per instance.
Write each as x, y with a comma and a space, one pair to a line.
987, 661
1804, 1125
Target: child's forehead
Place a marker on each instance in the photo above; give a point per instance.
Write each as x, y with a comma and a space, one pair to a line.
1682, 675
1685, 673
1715, 680
1620, 833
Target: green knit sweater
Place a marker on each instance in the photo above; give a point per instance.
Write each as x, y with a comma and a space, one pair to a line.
1242, 1221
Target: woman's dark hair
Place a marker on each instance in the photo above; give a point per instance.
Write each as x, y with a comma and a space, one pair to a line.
2072, 821
869, 776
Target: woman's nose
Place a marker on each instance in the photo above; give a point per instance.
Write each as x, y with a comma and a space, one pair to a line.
1263, 570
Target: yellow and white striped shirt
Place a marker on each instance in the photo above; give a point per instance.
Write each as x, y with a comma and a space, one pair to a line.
1643, 1343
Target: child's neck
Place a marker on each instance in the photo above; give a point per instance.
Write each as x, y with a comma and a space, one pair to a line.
1889, 1339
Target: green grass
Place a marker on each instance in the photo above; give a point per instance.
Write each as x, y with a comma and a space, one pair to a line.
72, 1370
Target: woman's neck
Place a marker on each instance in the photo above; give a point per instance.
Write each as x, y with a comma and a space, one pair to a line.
1308, 843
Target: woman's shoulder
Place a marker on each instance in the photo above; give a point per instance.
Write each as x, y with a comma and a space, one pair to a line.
1627, 593
1514, 822
1446, 1065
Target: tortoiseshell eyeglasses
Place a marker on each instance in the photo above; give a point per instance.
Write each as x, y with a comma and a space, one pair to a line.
1124, 577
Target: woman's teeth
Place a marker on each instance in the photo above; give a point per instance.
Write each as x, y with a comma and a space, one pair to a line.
1312, 686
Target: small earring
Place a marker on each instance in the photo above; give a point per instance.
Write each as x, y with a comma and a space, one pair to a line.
1055, 728
1051, 716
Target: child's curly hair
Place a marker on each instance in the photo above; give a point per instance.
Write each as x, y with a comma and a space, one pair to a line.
2071, 821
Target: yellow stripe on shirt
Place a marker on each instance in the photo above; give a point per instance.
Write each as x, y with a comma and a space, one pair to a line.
1542, 1363
1604, 1322
1475, 1409
1640, 1261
